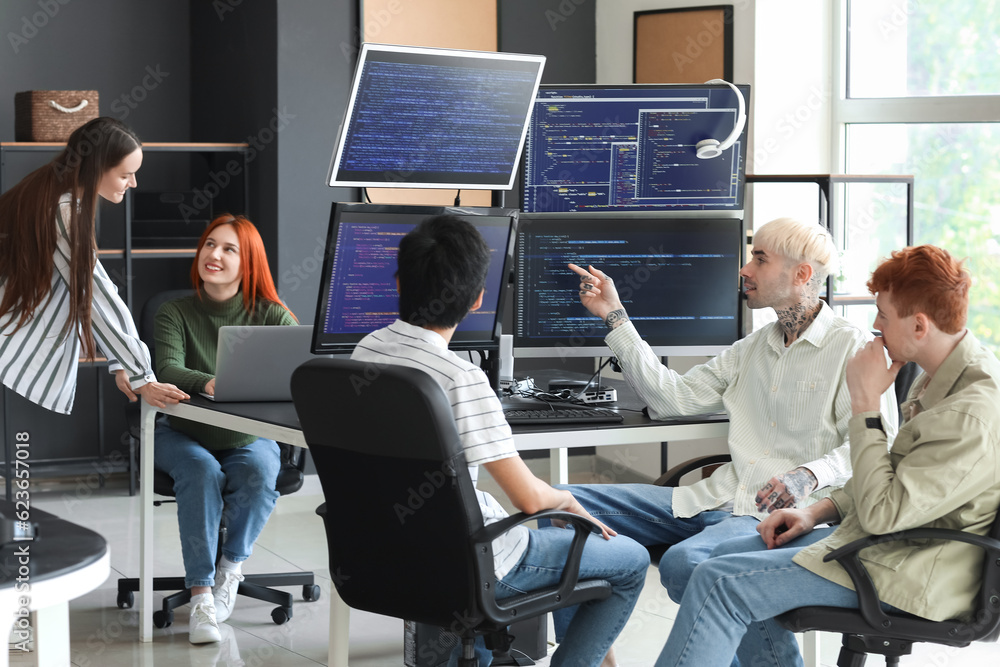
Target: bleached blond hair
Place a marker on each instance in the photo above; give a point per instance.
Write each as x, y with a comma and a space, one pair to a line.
798, 242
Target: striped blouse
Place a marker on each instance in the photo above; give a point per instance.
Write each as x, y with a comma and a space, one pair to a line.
40, 363
788, 407
481, 425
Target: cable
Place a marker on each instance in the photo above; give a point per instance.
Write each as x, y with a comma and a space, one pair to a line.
458, 197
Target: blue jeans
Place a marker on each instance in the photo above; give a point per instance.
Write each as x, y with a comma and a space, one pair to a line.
238, 482
745, 585
620, 561
644, 513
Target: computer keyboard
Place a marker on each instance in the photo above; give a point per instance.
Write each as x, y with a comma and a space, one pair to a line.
544, 415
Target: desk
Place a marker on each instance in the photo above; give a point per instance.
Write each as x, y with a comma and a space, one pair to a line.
279, 421
64, 562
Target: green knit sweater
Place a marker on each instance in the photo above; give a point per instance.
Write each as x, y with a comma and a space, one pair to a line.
187, 334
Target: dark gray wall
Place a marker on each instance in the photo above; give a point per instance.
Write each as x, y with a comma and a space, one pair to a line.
316, 53
564, 31
135, 54
234, 96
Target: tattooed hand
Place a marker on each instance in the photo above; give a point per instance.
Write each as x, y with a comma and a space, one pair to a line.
786, 490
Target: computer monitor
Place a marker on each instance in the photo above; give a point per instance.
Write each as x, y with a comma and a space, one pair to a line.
678, 279
632, 149
435, 118
358, 287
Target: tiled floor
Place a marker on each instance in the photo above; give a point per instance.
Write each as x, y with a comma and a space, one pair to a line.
105, 636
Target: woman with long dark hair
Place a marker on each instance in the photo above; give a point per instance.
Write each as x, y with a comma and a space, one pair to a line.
55, 297
215, 470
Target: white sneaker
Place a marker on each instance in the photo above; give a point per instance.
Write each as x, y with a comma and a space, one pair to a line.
203, 627
227, 582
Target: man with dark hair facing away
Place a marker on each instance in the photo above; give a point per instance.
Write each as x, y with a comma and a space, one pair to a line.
442, 266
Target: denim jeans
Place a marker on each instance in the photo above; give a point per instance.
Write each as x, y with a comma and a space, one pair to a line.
745, 585
644, 513
239, 482
620, 561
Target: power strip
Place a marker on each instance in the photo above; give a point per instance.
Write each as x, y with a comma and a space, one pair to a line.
602, 395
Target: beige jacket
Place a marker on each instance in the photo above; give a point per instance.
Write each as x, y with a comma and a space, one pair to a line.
943, 471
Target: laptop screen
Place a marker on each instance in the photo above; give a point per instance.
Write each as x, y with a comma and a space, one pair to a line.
358, 288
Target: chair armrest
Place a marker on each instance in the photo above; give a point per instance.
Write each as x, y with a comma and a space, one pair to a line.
673, 476
571, 569
498, 528
849, 558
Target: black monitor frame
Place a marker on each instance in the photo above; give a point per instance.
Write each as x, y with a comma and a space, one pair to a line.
486, 338
586, 159
588, 340
429, 140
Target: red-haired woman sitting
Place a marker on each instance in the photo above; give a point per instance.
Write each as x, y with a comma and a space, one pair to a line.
214, 469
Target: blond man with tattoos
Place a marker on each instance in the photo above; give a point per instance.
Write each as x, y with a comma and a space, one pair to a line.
783, 387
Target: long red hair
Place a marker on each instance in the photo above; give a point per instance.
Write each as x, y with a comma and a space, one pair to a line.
256, 281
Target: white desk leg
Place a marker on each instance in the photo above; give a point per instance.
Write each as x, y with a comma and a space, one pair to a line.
340, 630
558, 466
810, 649
51, 626
148, 422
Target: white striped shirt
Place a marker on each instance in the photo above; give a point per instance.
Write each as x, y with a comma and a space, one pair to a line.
40, 363
482, 428
787, 407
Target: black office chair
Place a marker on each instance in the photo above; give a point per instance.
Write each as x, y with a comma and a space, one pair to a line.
404, 529
258, 586
869, 629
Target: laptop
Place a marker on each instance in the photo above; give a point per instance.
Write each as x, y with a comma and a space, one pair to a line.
256, 363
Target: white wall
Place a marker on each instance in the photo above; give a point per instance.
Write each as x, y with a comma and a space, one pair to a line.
782, 49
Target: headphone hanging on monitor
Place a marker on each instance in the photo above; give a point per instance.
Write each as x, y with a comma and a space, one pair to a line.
709, 148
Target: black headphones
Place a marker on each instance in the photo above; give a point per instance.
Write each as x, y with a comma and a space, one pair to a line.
709, 148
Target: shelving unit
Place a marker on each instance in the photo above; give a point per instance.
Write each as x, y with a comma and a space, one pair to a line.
56, 431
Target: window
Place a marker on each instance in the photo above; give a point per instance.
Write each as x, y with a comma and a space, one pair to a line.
922, 97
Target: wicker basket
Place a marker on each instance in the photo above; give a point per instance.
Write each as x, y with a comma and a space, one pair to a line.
52, 115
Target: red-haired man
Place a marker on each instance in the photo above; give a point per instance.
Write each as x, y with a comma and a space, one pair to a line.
943, 471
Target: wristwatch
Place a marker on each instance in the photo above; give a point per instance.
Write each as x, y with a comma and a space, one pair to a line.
874, 422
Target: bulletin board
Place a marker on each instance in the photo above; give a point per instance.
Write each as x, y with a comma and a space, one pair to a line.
452, 24
685, 45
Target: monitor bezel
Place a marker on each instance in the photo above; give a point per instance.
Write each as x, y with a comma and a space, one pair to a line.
461, 340
678, 212
369, 48
594, 349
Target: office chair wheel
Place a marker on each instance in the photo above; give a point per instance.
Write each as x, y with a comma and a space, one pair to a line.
163, 619
310, 593
280, 615
126, 599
